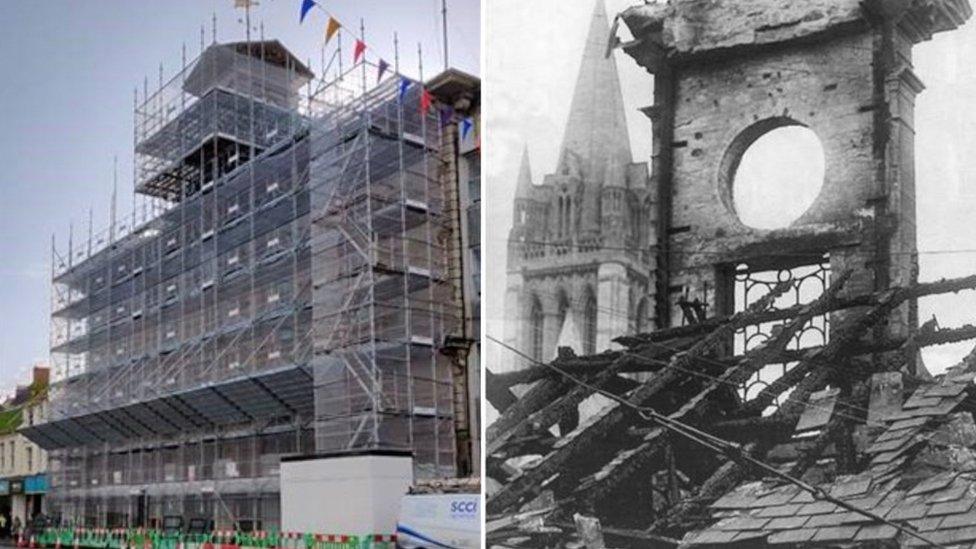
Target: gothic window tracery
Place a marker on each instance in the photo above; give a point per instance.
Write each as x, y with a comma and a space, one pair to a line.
807, 283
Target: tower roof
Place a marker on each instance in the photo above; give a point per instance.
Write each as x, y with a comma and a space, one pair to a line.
524, 185
596, 131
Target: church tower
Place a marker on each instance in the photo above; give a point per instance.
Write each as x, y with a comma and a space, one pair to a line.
579, 265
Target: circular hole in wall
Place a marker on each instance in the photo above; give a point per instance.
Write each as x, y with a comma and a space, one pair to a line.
778, 177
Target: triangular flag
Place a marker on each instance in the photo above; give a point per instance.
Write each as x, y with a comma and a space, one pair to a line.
466, 125
404, 86
380, 69
425, 101
358, 51
307, 5
331, 28
446, 114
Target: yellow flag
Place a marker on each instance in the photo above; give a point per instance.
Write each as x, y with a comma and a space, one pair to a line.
331, 29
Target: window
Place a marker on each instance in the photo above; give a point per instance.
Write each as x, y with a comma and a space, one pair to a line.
474, 178
568, 217
640, 317
562, 208
589, 324
13, 455
30, 459
474, 225
536, 329
808, 282
776, 169
475, 269
3, 456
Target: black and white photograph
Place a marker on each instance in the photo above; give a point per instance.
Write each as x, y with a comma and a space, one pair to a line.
729, 273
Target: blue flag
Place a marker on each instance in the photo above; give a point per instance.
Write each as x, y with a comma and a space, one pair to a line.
446, 114
404, 86
307, 5
466, 125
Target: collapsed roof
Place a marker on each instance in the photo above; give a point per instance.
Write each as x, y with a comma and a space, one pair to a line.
852, 419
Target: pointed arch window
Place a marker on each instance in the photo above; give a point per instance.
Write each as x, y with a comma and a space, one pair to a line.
640, 317
559, 220
569, 215
536, 320
589, 323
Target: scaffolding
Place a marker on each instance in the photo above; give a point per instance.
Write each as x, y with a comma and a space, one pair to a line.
181, 338
281, 292
382, 301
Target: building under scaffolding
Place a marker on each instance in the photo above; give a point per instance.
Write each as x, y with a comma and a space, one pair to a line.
284, 294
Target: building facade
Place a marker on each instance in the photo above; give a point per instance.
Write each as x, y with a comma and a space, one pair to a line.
460, 95
287, 295
23, 464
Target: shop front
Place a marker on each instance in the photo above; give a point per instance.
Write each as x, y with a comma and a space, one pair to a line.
35, 487
5, 508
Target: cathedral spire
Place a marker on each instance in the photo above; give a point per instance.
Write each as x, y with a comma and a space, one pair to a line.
596, 131
523, 188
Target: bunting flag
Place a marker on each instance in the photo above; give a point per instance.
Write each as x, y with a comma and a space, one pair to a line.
358, 51
446, 114
380, 69
331, 28
404, 86
425, 101
307, 6
466, 126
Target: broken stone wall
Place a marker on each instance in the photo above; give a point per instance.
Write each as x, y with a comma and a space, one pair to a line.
721, 108
736, 70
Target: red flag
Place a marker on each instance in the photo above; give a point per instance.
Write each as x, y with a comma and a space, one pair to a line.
425, 101
358, 51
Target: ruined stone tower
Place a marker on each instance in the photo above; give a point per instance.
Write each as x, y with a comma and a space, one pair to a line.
726, 73
599, 249
578, 263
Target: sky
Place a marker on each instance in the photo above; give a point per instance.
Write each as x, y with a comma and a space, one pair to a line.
69, 69
530, 72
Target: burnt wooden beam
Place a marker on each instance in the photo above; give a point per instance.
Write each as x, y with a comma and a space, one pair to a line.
567, 403
771, 315
726, 477
644, 539
731, 474
538, 397
849, 336
836, 430
751, 428
515, 491
621, 470
497, 392
917, 290
590, 365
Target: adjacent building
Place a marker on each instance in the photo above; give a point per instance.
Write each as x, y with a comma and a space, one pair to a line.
23, 464
579, 254
460, 95
290, 297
